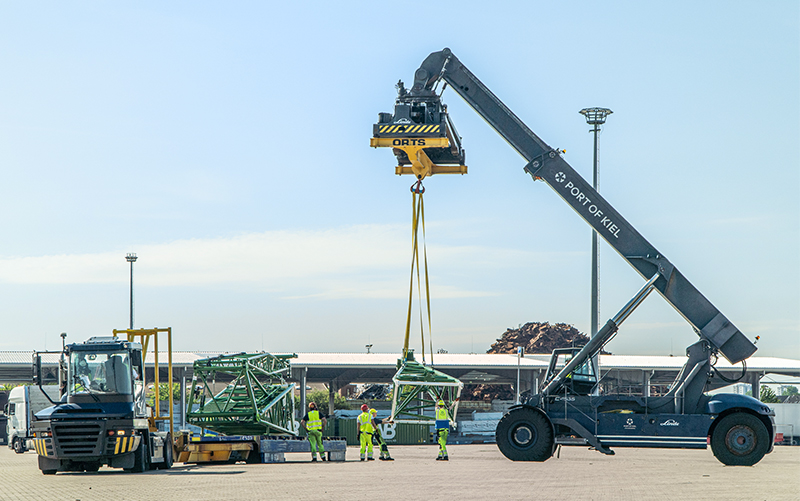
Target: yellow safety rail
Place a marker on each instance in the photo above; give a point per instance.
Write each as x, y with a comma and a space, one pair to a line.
144, 336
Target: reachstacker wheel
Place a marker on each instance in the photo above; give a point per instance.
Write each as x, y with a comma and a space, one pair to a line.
525, 435
740, 439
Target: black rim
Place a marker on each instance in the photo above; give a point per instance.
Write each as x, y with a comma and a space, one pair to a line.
522, 436
740, 440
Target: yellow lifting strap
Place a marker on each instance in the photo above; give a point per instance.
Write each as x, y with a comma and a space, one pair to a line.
417, 220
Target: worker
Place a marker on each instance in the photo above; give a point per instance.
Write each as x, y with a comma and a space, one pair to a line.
442, 429
365, 431
379, 436
313, 423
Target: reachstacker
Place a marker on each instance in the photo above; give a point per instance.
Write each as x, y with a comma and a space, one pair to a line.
567, 410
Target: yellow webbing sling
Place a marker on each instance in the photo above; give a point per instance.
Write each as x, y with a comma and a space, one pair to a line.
418, 216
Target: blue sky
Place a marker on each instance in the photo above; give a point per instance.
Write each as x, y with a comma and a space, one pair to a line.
227, 145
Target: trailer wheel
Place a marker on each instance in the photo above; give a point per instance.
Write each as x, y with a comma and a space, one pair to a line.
740, 439
19, 445
525, 435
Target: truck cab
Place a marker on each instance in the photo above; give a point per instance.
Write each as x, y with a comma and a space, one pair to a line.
103, 419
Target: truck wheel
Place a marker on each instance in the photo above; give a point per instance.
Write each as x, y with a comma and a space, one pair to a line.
168, 454
525, 435
141, 456
19, 445
49, 472
740, 439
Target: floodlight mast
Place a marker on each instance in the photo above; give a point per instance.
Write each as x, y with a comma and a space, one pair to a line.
131, 258
595, 117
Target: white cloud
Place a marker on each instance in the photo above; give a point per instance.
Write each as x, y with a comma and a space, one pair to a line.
346, 262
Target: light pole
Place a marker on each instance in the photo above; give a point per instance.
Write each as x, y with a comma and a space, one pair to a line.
595, 117
131, 258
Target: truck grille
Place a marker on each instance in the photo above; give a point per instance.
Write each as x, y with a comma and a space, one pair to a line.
78, 439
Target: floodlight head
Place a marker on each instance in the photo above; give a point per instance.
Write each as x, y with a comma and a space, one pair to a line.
131, 258
595, 116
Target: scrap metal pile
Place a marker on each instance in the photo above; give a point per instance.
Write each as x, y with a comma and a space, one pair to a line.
539, 337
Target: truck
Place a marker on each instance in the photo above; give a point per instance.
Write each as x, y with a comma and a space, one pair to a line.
103, 418
23, 403
569, 409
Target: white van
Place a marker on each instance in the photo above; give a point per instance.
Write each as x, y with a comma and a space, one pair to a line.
23, 403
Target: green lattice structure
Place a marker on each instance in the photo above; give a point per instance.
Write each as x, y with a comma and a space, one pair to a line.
418, 387
258, 401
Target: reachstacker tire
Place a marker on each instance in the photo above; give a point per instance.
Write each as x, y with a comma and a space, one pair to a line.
740, 439
525, 435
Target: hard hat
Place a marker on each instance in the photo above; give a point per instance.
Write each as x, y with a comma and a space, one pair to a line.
373, 412
440, 403
312, 405
364, 407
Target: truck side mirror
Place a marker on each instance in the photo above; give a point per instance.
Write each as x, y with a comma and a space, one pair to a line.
37, 369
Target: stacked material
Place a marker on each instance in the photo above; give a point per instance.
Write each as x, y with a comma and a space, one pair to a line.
482, 423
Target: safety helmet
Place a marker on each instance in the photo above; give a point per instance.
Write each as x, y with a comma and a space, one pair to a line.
364, 407
373, 412
440, 403
312, 405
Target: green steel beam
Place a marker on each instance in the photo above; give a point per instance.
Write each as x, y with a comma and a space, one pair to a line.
418, 387
258, 401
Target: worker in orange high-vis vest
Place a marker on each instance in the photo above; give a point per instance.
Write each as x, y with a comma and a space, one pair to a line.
365, 431
313, 424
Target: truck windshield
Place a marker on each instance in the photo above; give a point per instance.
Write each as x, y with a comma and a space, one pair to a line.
104, 372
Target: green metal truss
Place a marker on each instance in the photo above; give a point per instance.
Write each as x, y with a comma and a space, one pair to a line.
258, 401
418, 387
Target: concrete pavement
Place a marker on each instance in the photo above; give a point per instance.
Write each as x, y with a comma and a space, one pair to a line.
475, 472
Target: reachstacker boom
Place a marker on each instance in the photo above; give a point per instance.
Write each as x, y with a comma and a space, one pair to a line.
740, 428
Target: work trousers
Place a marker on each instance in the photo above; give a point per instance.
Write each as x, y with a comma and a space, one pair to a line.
366, 443
443, 434
382, 444
315, 439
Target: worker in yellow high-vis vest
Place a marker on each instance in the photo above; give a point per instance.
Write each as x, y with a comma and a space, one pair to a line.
365, 431
313, 424
384, 456
442, 429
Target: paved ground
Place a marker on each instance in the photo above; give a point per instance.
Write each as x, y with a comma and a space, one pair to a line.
474, 472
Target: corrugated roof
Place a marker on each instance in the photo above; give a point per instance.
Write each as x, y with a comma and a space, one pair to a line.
390, 359
444, 360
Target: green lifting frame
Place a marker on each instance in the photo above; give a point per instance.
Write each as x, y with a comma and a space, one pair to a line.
418, 387
258, 401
